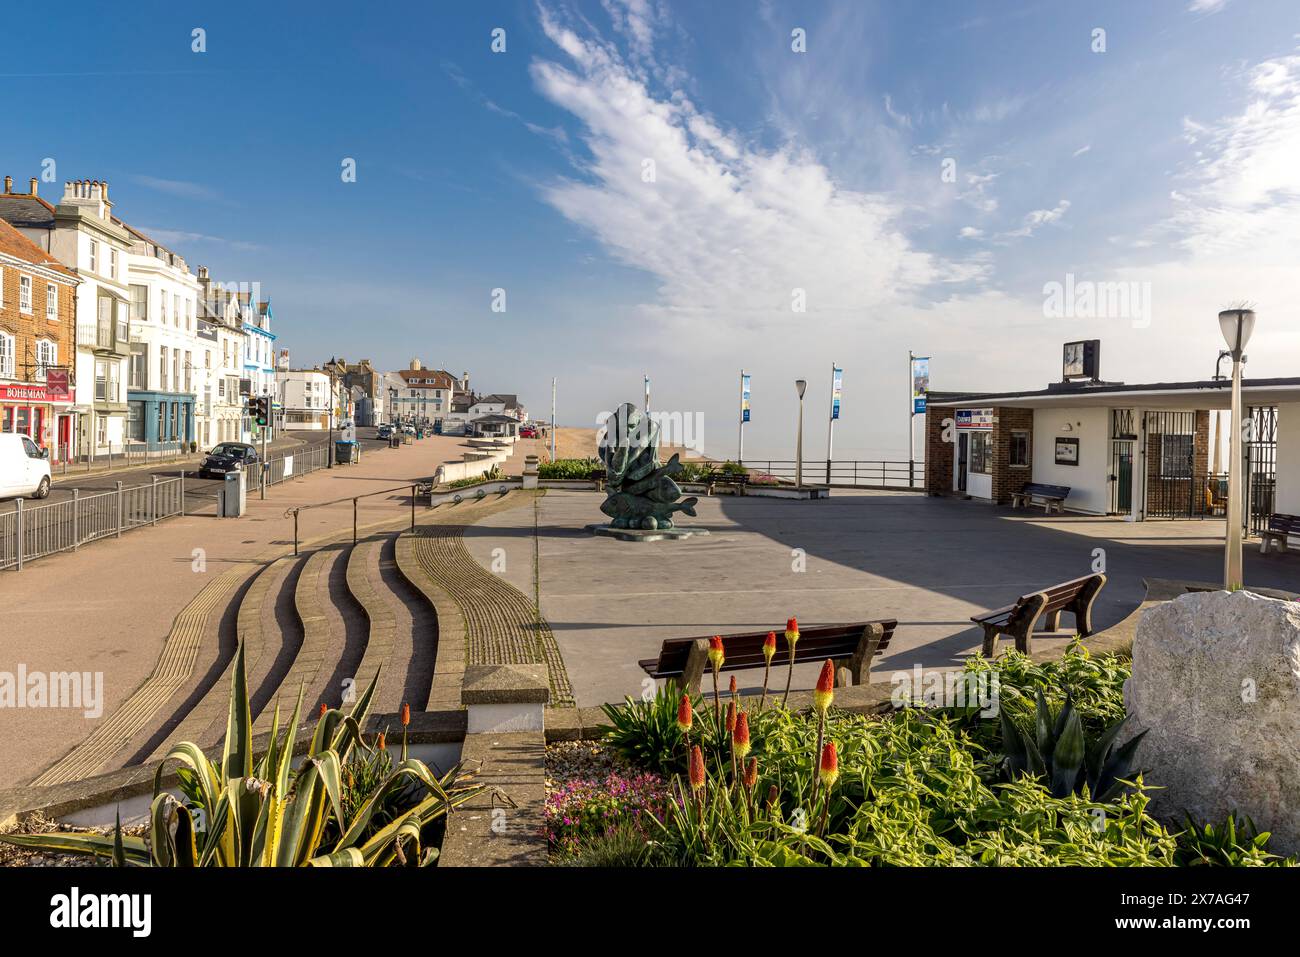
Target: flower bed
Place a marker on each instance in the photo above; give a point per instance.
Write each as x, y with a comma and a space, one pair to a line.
730, 780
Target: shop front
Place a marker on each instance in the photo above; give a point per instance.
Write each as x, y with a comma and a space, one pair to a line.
42, 411
163, 421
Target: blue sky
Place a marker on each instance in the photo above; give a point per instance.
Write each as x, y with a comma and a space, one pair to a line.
1166, 161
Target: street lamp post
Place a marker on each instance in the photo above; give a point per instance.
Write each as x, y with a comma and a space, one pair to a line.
799, 386
1237, 326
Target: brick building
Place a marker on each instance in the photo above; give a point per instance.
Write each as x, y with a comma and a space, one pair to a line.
38, 343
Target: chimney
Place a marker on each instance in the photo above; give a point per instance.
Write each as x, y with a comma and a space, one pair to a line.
9, 185
34, 185
203, 274
464, 382
415, 365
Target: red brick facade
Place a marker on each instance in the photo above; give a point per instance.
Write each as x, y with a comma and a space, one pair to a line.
939, 450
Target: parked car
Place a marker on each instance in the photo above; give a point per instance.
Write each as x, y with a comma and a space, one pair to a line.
24, 467
227, 457
528, 432
408, 429
385, 432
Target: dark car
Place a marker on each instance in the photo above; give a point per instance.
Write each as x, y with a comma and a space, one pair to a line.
227, 457
385, 431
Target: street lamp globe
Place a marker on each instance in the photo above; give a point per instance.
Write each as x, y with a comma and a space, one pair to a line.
799, 386
1237, 325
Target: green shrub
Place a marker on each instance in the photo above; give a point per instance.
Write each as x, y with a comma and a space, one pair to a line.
568, 469
1230, 845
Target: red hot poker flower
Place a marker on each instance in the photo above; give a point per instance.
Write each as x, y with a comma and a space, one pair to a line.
697, 768
825, 691
792, 631
769, 646
685, 718
716, 655
406, 715
382, 742
732, 689
731, 716
323, 709
740, 736
751, 774
830, 766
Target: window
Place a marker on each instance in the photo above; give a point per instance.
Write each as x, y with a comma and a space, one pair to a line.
1176, 456
135, 421
137, 376
112, 263
51, 301
176, 309
94, 259
189, 367
162, 368
25, 293
981, 453
123, 325
162, 310
47, 356
6, 356
101, 382
139, 302
1019, 452
101, 430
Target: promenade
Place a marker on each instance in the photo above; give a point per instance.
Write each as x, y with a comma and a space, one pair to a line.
110, 606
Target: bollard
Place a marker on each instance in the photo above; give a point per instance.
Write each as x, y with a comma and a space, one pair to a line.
18, 532
295, 533
412, 508
76, 519
119, 510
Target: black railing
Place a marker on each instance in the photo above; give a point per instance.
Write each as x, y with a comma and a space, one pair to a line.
844, 473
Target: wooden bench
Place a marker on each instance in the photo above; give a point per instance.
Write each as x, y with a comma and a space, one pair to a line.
851, 646
1280, 528
718, 477
1049, 496
1018, 620
597, 476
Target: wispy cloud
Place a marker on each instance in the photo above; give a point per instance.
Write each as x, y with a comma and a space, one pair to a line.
1206, 6
176, 187
176, 238
1081, 150
556, 133
1038, 218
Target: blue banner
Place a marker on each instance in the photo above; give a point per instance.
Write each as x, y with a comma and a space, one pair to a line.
837, 382
744, 398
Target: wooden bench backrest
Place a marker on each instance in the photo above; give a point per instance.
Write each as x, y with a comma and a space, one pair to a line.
1048, 491
1062, 595
1279, 522
746, 650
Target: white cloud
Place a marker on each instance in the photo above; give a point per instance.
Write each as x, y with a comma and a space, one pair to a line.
1206, 6
970, 232
1040, 217
1081, 150
729, 230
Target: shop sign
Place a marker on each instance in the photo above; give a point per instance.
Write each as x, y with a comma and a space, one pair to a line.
974, 418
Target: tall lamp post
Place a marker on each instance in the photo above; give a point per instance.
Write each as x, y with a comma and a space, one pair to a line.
799, 386
1237, 325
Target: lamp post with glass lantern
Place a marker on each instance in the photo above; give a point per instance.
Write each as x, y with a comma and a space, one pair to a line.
1236, 325
799, 386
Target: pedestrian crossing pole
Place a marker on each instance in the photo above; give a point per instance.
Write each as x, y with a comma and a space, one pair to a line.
552, 418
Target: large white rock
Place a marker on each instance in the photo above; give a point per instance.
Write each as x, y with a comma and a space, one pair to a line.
1216, 679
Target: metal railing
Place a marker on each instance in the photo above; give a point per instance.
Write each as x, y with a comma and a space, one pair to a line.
845, 473
123, 455
281, 468
354, 499
31, 532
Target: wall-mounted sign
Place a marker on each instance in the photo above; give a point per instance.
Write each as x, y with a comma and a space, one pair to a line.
46, 392
1081, 360
1067, 451
974, 418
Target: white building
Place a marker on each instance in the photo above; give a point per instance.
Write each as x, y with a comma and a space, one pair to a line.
420, 395
305, 399
220, 309
82, 233
171, 367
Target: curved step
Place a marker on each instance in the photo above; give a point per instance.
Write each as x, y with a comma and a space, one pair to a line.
451, 638
382, 624
416, 645
323, 640
197, 622
206, 722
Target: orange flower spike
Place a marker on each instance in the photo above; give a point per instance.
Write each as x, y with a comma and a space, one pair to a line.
406, 715
740, 736
685, 717
769, 646
697, 768
830, 766
824, 693
751, 774
731, 716
792, 631
381, 742
716, 652
732, 688
323, 709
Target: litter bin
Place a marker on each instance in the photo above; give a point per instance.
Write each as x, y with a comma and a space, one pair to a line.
233, 495
345, 453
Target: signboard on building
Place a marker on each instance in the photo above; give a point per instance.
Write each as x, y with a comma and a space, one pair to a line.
37, 392
974, 418
207, 330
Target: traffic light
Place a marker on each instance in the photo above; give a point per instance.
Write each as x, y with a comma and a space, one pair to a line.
262, 411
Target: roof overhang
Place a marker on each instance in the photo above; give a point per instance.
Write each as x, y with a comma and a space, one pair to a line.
1210, 394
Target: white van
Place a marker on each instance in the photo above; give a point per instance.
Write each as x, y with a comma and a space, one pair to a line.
24, 467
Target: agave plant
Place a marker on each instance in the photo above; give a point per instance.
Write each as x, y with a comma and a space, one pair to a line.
242, 813
1057, 749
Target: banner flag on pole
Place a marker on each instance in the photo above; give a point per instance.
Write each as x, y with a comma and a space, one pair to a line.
837, 382
920, 383
744, 398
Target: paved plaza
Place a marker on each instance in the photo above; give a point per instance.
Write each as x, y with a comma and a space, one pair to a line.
930, 563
